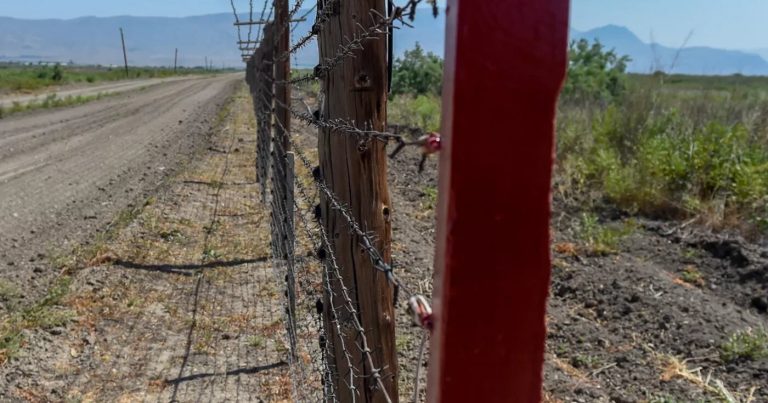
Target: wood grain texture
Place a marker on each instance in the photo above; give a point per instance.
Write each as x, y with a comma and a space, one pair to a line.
356, 172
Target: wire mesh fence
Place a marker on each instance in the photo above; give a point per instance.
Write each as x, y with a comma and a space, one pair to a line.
331, 241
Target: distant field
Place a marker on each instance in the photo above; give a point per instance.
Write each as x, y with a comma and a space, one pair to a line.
16, 78
712, 83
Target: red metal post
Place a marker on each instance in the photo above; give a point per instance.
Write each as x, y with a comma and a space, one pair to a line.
505, 64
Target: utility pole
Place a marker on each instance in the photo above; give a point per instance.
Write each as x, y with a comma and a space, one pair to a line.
356, 172
206, 63
176, 61
125, 53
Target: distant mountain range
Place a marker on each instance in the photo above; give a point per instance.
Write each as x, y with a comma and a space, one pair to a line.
647, 57
151, 42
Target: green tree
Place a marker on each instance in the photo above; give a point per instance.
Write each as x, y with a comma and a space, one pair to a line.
417, 73
595, 73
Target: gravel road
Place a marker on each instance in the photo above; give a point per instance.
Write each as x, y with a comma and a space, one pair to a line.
65, 173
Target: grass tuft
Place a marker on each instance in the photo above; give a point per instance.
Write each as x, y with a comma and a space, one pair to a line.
600, 239
44, 315
749, 344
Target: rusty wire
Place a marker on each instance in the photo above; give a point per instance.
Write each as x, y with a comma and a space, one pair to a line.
237, 20
343, 315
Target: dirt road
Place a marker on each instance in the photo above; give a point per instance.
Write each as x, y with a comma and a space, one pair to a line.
65, 173
90, 90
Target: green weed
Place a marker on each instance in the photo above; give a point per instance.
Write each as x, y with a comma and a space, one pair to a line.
749, 344
692, 275
600, 239
8, 290
45, 314
256, 341
210, 254
422, 111
430, 195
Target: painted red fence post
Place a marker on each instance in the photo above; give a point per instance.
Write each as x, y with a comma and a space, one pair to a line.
505, 64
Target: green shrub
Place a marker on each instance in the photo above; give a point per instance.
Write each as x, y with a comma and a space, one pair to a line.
747, 344
58, 74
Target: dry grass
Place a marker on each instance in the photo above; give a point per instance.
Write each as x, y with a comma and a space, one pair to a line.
675, 368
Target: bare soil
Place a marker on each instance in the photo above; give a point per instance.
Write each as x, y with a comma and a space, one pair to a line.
66, 173
638, 326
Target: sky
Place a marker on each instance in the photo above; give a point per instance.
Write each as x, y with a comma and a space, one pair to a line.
731, 24
40, 9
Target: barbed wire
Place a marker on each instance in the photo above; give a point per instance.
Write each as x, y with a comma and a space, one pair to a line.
250, 16
305, 15
327, 251
349, 305
237, 21
261, 17
375, 31
322, 18
336, 125
366, 240
349, 347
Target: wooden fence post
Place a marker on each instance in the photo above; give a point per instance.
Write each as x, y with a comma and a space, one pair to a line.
282, 169
355, 171
505, 64
263, 87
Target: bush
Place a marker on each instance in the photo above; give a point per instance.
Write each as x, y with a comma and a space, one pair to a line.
417, 73
594, 74
58, 74
668, 155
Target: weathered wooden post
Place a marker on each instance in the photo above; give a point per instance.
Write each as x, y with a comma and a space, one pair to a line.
282, 165
505, 64
263, 87
355, 171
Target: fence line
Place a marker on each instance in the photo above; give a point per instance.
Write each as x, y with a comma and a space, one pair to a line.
336, 339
